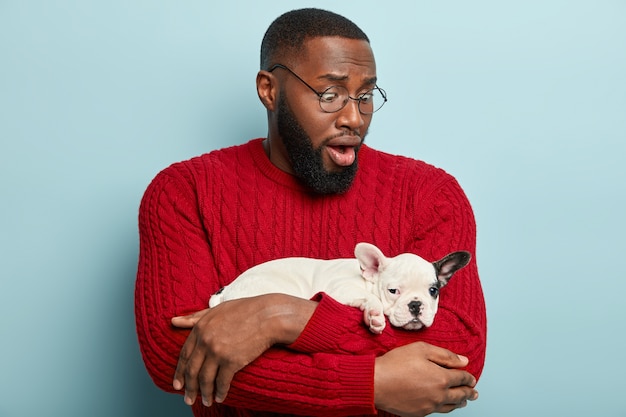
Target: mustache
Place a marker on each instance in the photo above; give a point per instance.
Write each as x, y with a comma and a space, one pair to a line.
351, 133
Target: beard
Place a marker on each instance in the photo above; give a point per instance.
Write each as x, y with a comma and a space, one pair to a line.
306, 161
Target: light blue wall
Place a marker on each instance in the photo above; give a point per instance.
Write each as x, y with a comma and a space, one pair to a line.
525, 102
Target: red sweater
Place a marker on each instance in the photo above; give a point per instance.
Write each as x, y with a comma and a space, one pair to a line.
204, 221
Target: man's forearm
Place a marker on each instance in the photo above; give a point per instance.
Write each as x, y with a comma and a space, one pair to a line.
286, 317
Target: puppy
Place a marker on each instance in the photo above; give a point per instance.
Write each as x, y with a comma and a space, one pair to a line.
404, 288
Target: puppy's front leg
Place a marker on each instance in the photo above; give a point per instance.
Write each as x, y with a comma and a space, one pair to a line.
372, 313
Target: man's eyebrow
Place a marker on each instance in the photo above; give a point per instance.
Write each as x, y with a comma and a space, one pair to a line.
371, 81
336, 77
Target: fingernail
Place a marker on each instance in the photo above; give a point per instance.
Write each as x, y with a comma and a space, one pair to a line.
206, 402
177, 385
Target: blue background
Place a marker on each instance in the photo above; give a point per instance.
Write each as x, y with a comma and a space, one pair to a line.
524, 102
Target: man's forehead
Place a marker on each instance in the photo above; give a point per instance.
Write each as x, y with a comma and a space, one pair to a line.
342, 77
329, 47
336, 58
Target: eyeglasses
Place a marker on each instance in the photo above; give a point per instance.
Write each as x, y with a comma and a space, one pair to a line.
336, 97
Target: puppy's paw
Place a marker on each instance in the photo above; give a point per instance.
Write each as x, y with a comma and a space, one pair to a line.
376, 321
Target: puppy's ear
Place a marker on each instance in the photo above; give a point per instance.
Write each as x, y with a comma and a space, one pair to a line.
371, 259
449, 264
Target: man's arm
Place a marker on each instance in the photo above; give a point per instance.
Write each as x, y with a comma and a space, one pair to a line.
175, 277
440, 387
444, 223
212, 355
430, 382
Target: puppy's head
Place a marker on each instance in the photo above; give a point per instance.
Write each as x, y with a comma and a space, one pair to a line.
408, 285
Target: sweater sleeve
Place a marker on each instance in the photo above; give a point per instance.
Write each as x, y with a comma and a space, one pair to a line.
447, 226
176, 276
443, 222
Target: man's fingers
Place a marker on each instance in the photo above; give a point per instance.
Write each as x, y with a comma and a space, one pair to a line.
188, 321
453, 362
190, 361
457, 398
191, 378
207, 378
183, 360
461, 395
222, 383
462, 379
447, 359
184, 322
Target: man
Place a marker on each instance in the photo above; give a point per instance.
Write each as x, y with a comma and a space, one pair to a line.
311, 188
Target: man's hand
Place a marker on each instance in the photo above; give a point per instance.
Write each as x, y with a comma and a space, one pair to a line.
419, 379
229, 336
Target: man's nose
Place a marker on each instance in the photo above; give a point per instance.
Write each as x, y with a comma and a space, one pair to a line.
350, 116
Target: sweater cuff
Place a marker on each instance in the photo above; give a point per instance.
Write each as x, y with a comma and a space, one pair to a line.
357, 383
329, 322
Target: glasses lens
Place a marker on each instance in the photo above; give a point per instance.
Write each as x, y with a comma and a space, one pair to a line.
372, 100
333, 99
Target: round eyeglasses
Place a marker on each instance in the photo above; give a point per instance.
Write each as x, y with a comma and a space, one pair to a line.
335, 97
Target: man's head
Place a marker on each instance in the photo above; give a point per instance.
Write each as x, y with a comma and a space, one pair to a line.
285, 37
303, 54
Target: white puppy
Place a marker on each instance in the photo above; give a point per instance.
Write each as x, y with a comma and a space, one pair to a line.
404, 288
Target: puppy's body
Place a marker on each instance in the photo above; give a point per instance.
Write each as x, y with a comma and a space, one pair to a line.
404, 288
300, 277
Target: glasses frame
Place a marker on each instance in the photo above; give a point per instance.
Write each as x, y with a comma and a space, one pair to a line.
320, 95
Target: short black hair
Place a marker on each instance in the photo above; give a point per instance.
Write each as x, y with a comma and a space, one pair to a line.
286, 34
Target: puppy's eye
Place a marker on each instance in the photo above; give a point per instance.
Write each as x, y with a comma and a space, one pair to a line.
393, 290
434, 291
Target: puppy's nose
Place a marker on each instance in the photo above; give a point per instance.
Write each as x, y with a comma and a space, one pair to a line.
414, 307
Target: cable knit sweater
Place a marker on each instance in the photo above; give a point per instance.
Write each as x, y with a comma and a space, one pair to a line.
204, 221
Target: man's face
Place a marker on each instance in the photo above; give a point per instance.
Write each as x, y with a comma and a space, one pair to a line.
321, 148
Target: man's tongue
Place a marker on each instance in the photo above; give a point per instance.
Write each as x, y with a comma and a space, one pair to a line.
342, 155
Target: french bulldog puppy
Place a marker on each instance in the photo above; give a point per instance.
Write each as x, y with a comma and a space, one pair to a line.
405, 288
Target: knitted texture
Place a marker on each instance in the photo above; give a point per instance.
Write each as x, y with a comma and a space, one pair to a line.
204, 221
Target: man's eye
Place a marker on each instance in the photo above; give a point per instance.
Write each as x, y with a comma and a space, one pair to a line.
329, 97
366, 97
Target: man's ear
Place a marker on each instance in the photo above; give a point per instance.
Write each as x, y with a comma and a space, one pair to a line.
371, 259
266, 87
